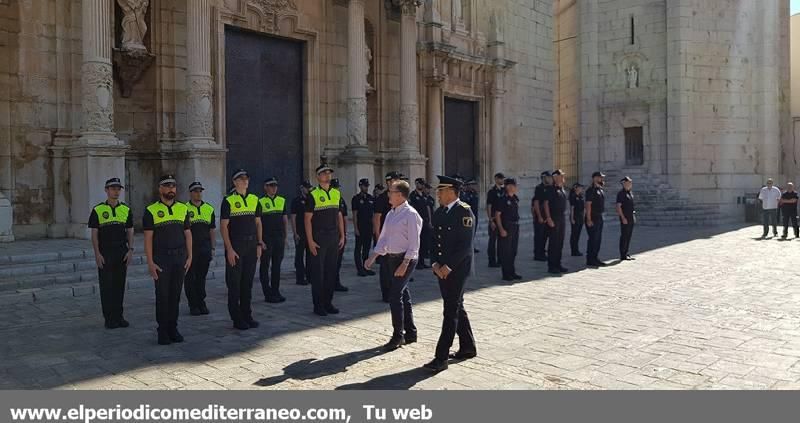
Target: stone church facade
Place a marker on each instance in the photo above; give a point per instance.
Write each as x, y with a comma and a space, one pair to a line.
135, 88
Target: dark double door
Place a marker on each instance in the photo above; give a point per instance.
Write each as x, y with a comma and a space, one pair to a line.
264, 108
459, 137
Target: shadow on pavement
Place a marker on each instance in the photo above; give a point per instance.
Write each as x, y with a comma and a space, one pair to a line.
398, 381
313, 369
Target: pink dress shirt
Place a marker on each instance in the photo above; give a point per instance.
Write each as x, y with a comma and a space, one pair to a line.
400, 232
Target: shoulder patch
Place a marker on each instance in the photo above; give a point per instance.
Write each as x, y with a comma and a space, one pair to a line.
467, 221
463, 204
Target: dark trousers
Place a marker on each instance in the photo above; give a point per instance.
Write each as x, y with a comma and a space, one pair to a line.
270, 271
112, 285
194, 284
508, 249
302, 270
400, 298
362, 247
787, 216
385, 277
425, 241
625, 235
492, 248
455, 319
540, 235
168, 290
239, 279
770, 217
556, 243
595, 240
575, 235
339, 260
324, 269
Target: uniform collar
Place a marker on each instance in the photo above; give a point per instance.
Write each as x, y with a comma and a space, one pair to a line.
201, 203
113, 207
450, 206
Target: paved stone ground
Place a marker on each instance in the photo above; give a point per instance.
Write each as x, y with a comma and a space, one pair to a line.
698, 309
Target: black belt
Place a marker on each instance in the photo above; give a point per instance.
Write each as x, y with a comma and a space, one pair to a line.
245, 238
171, 252
395, 255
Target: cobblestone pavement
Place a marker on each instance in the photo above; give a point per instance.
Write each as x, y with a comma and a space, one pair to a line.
698, 309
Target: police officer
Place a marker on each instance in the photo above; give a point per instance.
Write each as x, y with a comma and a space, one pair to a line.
419, 201
302, 270
576, 216
625, 210
540, 232
473, 200
555, 205
168, 247
495, 192
452, 256
343, 209
274, 228
202, 219
111, 223
382, 207
595, 207
506, 219
363, 205
240, 225
324, 225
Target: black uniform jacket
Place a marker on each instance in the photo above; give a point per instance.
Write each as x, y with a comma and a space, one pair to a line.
452, 232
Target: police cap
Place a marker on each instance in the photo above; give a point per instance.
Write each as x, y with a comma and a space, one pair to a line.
114, 182
239, 173
196, 186
167, 179
364, 182
324, 168
449, 182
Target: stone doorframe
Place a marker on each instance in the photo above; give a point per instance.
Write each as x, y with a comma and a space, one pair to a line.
277, 18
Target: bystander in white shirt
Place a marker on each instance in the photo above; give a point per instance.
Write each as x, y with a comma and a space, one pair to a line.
770, 195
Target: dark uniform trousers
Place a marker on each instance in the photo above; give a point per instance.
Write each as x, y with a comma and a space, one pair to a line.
302, 268
455, 319
493, 247
239, 279
787, 216
400, 297
112, 285
195, 281
425, 241
595, 233
626, 232
556, 242
363, 246
168, 287
270, 271
575, 234
540, 235
324, 268
508, 249
339, 260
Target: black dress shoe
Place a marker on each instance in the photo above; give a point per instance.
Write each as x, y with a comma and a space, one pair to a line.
204, 309
371, 272
241, 325
394, 343
362, 273
341, 288
629, 257
252, 324
577, 254
463, 355
554, 271
272, 299
563, 269
195, 311
410, 339
123, 323
163, 338
436, 365
280, 298
302, 283
330, 309
544, 258
509, 279
112, 324
319, 311
175, 336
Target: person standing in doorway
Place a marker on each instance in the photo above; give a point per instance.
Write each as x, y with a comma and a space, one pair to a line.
770, 196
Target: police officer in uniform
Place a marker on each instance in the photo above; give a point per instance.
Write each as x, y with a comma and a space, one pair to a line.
363, 205
419, 201
555, 205
452, 254
577, 217
168, 247
274, 227
343, 209
382, 207
324, 226
302, 269
494, 194
473, 200
595, 207
506, 219
111, 223
540, 232
202, 219
240, 225
626, 212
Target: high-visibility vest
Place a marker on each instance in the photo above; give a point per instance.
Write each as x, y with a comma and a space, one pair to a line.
202, 214
272, 205
107, 215
162, 216
242, 207
323, 200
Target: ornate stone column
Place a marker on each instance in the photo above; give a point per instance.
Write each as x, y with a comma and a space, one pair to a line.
434, 126
498, 160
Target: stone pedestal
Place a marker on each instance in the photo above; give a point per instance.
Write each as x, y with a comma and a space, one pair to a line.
6, 219
206, 166
354, 163
89, 168
411, 164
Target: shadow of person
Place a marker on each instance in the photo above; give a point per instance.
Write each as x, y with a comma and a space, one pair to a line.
397, 381
311, 368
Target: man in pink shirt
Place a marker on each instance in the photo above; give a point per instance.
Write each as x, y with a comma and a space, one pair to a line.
398, 243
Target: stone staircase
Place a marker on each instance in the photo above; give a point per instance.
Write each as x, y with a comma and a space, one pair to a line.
659, 204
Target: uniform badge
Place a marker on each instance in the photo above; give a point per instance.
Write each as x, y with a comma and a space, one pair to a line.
191, 213
160, 213
238, 205
105, 215
467, 222
267, 206
508, 202
321, 199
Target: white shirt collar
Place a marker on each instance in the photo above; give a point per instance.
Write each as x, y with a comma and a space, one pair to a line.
401, 206
450, 206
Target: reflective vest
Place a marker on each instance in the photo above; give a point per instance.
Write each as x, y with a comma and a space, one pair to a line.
107, 215
272, 205
242, 207
326, 200
200, 214
162, 216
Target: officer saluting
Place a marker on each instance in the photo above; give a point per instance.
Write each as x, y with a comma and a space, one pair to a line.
452, 260
324, 226
202, 219
274, 227
111, 223
240, 225
168, 247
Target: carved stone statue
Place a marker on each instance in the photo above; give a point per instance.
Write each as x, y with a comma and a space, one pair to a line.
632, 76
134, 26
368, 57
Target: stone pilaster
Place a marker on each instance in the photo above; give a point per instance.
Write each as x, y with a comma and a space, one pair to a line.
199, 85
356, 75
434, 127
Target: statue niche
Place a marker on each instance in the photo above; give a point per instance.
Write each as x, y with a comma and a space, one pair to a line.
131, 58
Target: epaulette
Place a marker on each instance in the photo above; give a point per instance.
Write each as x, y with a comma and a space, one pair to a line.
463, 204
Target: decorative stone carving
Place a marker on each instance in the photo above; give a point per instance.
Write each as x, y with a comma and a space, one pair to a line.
356, 121
200, 101
98, 97
134, 26
632, 76
130, 65
409, 124
273, 9
395, 8
368, 58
